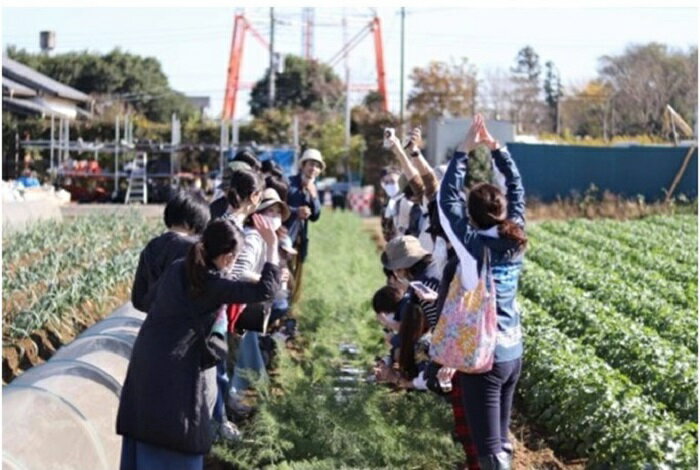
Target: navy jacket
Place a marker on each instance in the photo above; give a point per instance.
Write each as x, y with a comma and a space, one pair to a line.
159, 253
505, 257
298, 229
163, 400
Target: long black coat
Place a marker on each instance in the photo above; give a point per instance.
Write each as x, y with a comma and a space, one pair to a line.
163, 401
159, 253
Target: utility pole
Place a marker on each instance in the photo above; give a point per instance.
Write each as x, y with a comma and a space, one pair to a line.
403, 37
347, 92
271, 76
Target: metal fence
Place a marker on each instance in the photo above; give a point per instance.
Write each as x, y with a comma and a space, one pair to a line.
552, 171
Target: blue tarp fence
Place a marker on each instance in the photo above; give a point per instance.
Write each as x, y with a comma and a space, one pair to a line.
552, 171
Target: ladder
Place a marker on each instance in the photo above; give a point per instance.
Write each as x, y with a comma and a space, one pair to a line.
138, 189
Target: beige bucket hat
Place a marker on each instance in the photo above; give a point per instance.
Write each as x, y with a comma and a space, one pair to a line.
312, 154
403, 252
269, 199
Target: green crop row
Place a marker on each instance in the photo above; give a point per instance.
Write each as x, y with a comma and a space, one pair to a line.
104, 239
671, 244
643, 250
685, 224
609, 285
581, 235
591, 409
45, 235
97, 275
664, 370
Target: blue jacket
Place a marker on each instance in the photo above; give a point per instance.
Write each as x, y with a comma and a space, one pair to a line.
505, 258
298, 229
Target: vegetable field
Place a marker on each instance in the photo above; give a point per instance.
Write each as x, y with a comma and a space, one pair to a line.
610, 317
610, 376
609, 313
60, 277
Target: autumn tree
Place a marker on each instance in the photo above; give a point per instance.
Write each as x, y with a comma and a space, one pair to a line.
495, 94
644, 79
442, 89
586, 110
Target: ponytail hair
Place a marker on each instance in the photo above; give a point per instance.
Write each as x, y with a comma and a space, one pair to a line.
512, 231
220, 237
487, 207
242, 184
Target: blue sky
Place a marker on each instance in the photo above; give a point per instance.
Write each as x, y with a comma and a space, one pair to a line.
193, 44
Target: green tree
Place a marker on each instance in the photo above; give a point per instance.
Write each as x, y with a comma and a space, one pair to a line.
369, 121
526, 94
553, 91
304, 84
118, 77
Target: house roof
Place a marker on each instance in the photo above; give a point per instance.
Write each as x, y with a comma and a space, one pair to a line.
30, 78
12, 88
25, 106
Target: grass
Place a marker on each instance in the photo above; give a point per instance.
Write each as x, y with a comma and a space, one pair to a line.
301, 423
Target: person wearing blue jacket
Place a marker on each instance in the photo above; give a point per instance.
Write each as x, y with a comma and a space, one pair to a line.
489, 228
303, 200
305, 206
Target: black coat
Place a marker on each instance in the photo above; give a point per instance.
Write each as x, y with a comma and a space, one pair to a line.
163, 400
159, 253
218, 208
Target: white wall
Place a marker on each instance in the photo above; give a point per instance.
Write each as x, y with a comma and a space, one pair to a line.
445, 134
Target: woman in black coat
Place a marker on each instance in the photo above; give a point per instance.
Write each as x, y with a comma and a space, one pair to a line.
168, 395
186, 215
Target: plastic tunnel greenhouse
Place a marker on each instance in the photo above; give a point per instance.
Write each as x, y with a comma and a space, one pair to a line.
62, 414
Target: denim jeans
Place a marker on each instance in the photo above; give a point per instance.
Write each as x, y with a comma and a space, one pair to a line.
488, 400
249, 359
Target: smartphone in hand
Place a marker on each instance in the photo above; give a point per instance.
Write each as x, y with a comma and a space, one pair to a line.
389, 132
424, 292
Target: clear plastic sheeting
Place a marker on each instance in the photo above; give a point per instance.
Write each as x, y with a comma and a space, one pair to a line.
94, 393
128, 310
123, 326
43, 431
8, 463
105, 351
62, 414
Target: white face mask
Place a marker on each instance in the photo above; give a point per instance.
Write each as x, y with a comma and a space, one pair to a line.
391, 189
275, 221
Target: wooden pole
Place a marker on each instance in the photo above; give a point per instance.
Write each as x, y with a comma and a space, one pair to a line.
680, 173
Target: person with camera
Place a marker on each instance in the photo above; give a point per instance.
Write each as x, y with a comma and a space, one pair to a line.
305, 206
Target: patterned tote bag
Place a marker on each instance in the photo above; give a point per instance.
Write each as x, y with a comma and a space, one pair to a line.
465, 336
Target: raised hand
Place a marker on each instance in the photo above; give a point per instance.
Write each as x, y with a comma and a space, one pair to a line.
484, 137
471, 141
415, 140
265, 230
